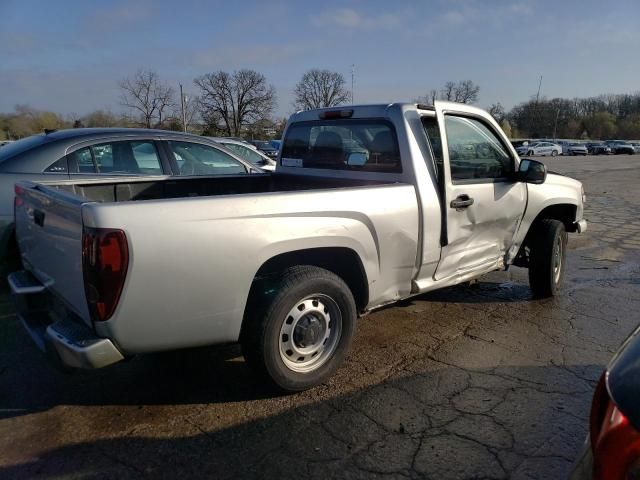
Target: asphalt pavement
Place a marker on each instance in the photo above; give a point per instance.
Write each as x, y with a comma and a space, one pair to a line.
474, 381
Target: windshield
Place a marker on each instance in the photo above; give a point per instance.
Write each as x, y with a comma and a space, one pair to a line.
247, 153
264, 146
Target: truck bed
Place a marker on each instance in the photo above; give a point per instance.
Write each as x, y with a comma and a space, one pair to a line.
118, 191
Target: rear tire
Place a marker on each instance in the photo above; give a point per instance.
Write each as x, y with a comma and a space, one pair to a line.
297, 337
547, 257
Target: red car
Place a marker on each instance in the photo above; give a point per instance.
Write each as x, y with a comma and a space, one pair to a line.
612, 449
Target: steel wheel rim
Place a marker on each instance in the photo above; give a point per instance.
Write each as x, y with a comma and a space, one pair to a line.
310, 333
558, 251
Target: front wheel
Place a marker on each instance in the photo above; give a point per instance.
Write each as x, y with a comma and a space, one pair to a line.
553, 153
547, 257
298, 337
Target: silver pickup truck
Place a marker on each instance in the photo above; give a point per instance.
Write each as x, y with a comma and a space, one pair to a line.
368, 205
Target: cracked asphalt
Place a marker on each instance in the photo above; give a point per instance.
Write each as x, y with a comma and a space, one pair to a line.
474, 381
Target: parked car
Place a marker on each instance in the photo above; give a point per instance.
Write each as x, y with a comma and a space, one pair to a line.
276, 144
636, 147
95, 153
620, 147
577, 149
612, 448
540, 148
598, 148
266, 148
285, 262
249, 152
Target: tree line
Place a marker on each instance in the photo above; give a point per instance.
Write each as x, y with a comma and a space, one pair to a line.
242, 103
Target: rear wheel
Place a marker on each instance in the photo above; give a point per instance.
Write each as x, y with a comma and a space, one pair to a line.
298, 337
547, 257
530, 153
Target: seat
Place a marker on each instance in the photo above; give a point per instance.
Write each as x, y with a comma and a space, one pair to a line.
123, 159
328, 151
383, 150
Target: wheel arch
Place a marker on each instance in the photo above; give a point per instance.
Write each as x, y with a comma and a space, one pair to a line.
342, 261
563, 212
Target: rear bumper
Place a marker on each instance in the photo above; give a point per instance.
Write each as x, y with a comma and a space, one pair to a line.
56, 331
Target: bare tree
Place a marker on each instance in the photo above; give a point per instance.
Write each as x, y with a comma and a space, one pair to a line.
466, 92
448, 92
497, 111
146, 94
320, 88
430, 98
237, 99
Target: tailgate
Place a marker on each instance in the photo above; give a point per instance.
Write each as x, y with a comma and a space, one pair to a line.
49, 234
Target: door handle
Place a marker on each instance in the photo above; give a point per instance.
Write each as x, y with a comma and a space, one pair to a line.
462, 201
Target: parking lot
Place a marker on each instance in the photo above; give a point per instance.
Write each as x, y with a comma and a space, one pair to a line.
474, 381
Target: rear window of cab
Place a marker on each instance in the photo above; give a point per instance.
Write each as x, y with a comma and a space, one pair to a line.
369, 145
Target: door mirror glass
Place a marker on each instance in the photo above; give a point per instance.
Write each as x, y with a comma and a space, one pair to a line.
532, 171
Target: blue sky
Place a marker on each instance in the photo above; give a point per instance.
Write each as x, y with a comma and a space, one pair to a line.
68, 56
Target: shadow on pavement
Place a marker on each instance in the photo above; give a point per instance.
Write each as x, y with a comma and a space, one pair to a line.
445, 422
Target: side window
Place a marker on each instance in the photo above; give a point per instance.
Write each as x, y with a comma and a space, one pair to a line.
146, 157
199, 159
83, 161
475, 152
58, 167
127, 157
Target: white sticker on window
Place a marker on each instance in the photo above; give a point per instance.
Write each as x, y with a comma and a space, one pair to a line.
292, 162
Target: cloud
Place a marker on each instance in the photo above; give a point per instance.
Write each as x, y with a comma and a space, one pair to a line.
472, 13
350, 18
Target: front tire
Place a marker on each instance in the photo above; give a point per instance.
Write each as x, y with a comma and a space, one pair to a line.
547, 257
553, 153
298, 337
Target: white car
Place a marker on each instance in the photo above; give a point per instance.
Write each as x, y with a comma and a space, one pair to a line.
247, 152
540, 148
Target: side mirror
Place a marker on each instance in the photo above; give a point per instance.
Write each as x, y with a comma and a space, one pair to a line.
532, 171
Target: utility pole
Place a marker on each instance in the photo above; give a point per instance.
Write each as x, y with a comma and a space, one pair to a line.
539, 85
555, 125
184, 118
353, 74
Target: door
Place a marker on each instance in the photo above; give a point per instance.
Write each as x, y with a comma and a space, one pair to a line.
483, 204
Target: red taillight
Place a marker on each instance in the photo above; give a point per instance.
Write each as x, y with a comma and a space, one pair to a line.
105, 259
18, 202
614, 441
